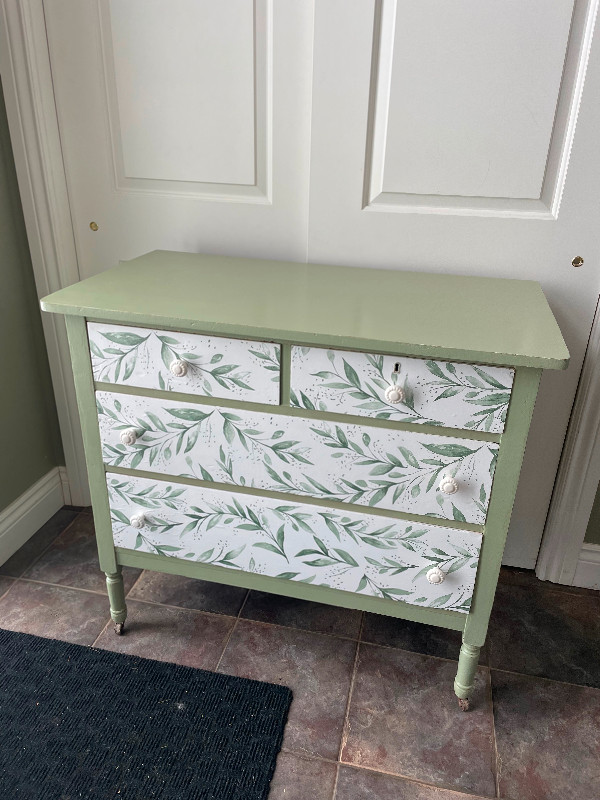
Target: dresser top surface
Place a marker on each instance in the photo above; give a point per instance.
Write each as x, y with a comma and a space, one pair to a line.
490, 320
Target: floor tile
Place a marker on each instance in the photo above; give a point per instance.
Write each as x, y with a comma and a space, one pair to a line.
527, 577
361, 784
309, 616
170, 634
548, 738
426, 639
56, 612
546, 633
72, 560
18, 563
404, 719
302, 779
5, 584
316, 668
174, 590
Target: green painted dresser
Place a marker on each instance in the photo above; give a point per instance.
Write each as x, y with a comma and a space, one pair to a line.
343, 435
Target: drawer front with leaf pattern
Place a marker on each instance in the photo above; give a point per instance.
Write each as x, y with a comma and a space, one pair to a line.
185, 362
403, 389
420, 564
407, 471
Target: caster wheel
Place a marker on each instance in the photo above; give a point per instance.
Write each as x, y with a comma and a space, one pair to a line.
119, 628
464, 705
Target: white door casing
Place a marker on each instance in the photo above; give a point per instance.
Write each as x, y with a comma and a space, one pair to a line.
411, 165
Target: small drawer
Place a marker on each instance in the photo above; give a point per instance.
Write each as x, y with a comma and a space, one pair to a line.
191, 363
401, 388
420, 564
417, 473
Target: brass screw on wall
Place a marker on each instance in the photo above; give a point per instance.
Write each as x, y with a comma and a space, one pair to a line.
577, 261
94, 226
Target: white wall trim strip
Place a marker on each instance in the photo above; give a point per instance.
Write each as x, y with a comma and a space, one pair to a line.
23, 517
578, 475
587, 572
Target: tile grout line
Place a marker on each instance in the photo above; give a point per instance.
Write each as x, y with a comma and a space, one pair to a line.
460, 793
335, 782
134, 584
101, 632
543, 678
497, 761
233, 627
350, 691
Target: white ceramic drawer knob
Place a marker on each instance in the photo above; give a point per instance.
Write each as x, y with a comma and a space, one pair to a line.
128, 436
435, 575
138, 520
448, 485
178, 367
394, 394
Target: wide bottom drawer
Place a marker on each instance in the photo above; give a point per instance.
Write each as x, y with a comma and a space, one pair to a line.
363, 553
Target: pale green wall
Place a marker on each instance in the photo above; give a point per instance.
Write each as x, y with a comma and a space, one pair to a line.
29, 438
592, 534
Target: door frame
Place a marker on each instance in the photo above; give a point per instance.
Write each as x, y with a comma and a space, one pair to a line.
563, 556
33, 125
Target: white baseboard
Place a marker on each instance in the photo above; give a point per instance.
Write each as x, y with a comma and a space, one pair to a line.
22, 518
66, 488
587, 572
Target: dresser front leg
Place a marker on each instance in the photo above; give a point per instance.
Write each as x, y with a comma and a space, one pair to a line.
116, 598
465, 675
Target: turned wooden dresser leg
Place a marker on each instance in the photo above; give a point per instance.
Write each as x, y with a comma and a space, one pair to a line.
465, 674
116, 598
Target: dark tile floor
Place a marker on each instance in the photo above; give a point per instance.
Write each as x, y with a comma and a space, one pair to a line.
374, 716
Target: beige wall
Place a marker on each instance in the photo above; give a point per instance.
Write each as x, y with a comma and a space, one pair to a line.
29, 437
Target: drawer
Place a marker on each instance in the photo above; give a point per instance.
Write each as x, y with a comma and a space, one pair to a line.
431, 392
185, 362
361, 553
399, 470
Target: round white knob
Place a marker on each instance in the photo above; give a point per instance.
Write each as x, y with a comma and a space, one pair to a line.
394, 394
178, 367
435, 575
128, 436
138, 520
448, 485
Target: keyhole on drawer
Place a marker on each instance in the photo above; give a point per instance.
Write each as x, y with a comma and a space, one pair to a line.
397, 366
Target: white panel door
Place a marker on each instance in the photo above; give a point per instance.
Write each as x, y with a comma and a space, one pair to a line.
184, 125
441, 136
437, 134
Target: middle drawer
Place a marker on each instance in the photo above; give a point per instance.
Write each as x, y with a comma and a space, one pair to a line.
408, 471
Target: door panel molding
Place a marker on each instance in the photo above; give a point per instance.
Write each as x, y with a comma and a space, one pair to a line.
376, 198
33, 124
259, 190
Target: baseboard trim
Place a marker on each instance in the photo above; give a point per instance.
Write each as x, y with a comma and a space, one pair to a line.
587, 572
22, 518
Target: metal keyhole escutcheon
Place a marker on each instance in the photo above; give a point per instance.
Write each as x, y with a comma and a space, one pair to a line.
94, 226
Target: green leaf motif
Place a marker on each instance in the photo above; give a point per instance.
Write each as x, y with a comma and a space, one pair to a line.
190, 414
125, 337
449, 450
